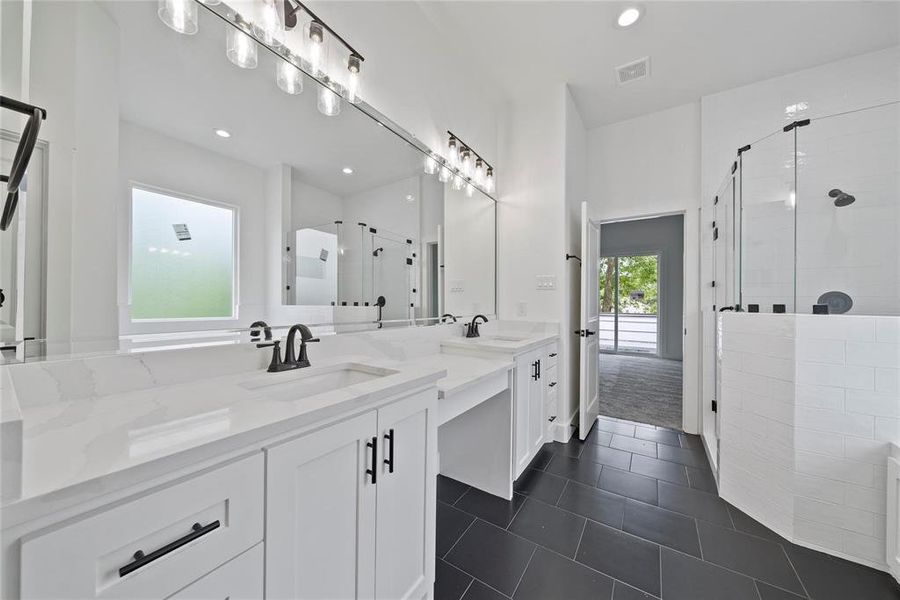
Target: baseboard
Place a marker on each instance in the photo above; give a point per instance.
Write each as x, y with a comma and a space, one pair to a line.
562, 432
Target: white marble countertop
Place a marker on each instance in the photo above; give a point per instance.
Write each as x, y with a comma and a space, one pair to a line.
462, 371
89, 441
500, 342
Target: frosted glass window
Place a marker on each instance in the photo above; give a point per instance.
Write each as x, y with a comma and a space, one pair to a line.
182, 258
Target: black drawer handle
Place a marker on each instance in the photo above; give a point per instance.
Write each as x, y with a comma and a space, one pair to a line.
390, 461
552, 383
553, 355
373, 444
141, 559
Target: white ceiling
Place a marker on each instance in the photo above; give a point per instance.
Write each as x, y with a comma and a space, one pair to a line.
185, 87
696, 48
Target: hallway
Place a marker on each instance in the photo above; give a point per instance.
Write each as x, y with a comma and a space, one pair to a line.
644, 389
632, 513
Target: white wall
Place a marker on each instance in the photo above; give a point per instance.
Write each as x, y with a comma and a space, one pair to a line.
650, 165
469, 226
154, 159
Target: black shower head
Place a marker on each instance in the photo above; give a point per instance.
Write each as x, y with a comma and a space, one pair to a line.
376, 251
841, 198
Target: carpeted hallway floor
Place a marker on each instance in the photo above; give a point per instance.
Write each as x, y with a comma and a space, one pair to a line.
644, 389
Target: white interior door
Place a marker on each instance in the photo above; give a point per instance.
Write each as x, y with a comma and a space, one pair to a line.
589, 403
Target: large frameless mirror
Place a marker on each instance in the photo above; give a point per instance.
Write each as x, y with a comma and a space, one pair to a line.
193, 180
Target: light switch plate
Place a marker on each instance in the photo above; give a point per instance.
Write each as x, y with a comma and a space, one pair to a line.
457, 285
521, 309
546, 283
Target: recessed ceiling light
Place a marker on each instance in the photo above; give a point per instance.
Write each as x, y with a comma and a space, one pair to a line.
629, 16
347, 171
410, 198
222, 133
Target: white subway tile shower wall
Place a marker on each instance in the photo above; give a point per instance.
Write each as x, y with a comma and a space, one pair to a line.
808, 457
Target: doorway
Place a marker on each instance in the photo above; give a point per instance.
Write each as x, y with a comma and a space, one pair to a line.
629, 304
640, 290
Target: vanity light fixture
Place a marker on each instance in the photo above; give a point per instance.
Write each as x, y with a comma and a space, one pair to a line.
431, 165
453, 150
470, 190
347, 171
458, 183
629, 16
465, 162
464, 168
239, 46
444, 175
288, 77
353, 65
479, 172
222, 133
269, 28
179, 15
316, 48
329, 103
489, 180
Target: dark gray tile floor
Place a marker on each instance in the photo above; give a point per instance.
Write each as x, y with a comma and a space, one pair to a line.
631, 513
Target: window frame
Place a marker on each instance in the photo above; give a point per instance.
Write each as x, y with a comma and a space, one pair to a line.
235, 245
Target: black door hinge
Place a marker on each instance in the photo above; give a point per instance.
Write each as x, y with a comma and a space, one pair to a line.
715, 406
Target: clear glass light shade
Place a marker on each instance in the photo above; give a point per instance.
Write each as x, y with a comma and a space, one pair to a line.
431, 165
288, 77
458, 183
489, 184
316, 48
179, 15
444, 175
453, 153
240, 48
268, 26
329, 103
470, 190
465, 163
353, 79
479, 172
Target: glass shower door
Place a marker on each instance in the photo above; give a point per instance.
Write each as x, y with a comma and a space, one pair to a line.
848, 212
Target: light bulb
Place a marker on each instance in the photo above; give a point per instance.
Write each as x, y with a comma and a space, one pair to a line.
353, 65
453, 151
470, 190
317, 51
457, 183
465, 163
431, 165
179, 15
269, 28
240, 47
479, 171
329, 103
489, 180
288, 78
444, 175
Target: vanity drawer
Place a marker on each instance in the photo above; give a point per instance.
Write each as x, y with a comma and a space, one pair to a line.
552, 355
184, 531
240, 578
551, 378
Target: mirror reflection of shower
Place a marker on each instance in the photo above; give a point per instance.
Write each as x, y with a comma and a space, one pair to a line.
377, 251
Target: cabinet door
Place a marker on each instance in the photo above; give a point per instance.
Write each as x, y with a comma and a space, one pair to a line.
320, 514
407, 480
525, 380
239, 579
536, 406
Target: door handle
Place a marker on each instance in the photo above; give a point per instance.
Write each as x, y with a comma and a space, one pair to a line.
389, 436
588, 332
373, 444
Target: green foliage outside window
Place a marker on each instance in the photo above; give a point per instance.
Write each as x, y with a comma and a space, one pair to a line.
636, 274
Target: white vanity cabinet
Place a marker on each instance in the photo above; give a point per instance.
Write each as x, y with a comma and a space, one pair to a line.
535, 371
350, 508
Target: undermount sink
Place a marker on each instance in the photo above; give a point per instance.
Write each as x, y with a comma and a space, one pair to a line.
311, 381
504, 338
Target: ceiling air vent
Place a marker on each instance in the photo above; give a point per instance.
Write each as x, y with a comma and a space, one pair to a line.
633, 71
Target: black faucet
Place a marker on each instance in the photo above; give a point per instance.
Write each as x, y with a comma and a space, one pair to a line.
306, 336
446, 316
254, 330
472, 328
276, 365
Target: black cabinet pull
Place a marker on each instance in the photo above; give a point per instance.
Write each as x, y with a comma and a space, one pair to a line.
389, 436
534, 370
141, 559
373, 444
539, 369
553, 355
552, 383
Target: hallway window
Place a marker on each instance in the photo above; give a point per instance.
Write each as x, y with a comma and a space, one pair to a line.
182, 257
629, 303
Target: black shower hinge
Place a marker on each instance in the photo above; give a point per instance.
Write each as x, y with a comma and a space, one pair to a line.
713, 225
716, 200
362, 224
714, 283
743, 149
409, 261
409, 241
733, 167
715, 406
801, 123
338, 222
715, 233
372, 230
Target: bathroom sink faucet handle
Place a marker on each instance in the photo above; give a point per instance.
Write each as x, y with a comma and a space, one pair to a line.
255, 327
446, 316
306, 337
275, 365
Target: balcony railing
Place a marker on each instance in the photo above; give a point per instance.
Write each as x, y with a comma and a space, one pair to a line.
637, 332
